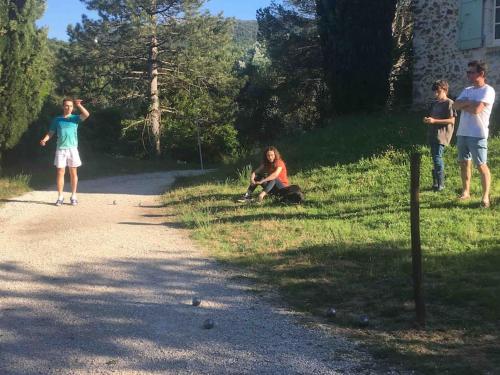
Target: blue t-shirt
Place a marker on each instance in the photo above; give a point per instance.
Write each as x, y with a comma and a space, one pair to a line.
66, 129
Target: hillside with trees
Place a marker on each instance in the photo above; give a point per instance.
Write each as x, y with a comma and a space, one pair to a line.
245, 33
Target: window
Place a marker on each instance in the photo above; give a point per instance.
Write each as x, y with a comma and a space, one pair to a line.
470, 24
497, 19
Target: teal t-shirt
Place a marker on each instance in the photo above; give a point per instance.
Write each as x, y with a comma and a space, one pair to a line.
66, 129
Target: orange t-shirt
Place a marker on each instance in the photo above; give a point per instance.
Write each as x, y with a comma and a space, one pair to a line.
283, 176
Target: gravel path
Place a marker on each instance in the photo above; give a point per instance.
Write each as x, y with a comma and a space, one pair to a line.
106, 288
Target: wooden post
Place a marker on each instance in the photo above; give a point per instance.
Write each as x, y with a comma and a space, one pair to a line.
416, 250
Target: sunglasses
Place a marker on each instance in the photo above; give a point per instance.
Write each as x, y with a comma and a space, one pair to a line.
469, 72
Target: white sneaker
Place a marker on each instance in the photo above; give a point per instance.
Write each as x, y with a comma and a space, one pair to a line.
244, 199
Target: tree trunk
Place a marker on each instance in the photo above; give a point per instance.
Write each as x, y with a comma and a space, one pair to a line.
155, 114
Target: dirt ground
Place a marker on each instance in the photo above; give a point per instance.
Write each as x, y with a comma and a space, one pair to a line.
106, 288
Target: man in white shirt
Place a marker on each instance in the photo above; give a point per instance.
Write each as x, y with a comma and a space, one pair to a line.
476, 103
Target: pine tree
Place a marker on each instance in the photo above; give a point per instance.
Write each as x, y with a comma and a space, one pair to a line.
24, 68
111, 67
135, 33
202, 92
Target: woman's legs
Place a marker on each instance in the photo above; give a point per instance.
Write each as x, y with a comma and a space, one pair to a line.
270, 188
252, 187
267, 188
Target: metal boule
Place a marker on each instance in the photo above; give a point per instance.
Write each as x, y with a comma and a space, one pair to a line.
331, 312
364, 320
208, 324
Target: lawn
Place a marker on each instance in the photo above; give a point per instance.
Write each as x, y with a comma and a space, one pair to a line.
348, 246
14, 186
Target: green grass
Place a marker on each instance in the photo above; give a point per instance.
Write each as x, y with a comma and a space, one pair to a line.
13, 186
348, 246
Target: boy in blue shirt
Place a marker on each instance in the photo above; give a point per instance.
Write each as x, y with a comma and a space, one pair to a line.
66, 128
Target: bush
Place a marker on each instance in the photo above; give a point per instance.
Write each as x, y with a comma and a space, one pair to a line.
180, 141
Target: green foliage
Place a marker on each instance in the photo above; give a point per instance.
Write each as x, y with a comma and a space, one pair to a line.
28, 146
245, 33
207, 94
348, 245
137, 41
24, 69
13, 186
357, 46
195, 74
285, 86
243, 175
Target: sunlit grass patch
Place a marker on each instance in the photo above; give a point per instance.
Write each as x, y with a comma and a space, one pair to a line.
348, 245
13, 186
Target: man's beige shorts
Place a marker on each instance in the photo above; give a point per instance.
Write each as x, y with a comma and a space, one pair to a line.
68, 157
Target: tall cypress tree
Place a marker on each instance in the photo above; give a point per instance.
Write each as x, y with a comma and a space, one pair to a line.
357, 47
24, 70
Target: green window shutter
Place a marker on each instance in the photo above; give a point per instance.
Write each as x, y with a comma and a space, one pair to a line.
470, 25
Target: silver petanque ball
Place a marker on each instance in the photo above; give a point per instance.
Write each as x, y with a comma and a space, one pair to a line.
331, 312
208, 324
364, 320
196, 301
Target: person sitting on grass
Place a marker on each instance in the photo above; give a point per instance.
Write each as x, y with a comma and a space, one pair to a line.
271, 175
441, 122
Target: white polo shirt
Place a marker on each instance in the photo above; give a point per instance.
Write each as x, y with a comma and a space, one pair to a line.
472, 125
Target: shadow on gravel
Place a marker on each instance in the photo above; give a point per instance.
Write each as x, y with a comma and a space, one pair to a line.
27, 202
136, 315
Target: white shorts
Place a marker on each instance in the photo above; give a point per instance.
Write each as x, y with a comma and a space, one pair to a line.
67, 157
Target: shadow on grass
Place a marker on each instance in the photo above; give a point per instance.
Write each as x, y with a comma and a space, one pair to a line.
172, 225
299, 214
204, 197
463, 307
157, 216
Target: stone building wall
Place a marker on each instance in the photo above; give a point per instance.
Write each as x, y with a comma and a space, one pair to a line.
436, 52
